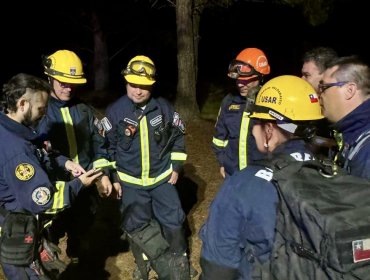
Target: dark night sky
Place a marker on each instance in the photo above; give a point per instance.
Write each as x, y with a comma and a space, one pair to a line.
281, 32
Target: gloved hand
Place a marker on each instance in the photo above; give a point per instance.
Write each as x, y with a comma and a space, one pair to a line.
49, 257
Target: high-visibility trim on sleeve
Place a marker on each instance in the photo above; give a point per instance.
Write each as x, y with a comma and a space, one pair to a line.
178, 156
220, 143
58, 199
103, 163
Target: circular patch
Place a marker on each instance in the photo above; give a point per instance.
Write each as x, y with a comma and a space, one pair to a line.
24, 171
41, 195
127, 132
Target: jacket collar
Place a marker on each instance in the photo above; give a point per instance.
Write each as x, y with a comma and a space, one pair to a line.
355, 123
17, 128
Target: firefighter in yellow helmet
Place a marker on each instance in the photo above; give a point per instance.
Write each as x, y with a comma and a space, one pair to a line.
232, 142
64, 66
240, 228
72, 129
147, 143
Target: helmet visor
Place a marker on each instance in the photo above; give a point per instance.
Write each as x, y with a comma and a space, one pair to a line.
262, 112
239, 68
140, 68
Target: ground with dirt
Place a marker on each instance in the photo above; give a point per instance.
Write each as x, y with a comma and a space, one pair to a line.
108, 257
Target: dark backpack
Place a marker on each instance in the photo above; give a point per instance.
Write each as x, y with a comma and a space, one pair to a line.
323, 224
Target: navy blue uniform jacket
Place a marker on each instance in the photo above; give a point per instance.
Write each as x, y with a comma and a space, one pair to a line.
351, 127
233, 142
243, 214
23, 181
70, 128
138, 138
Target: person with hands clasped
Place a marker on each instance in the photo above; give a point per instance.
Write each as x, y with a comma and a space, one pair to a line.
24, 184
147, 143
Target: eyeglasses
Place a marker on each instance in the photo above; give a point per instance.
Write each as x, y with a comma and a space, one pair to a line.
241, 69
140, 68
66, 85
323, 87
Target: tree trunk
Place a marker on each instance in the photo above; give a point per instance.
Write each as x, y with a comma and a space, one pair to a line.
186, 101
101, 57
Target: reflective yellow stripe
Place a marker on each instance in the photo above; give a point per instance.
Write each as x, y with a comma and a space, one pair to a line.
58, 202
46, 225
145, 182
243, 149
220, 143
178, 156
70, 134
144, 146
103, 163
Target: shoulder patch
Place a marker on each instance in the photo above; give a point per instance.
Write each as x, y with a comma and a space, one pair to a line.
156, 120
130, 121
41, 195
24, 171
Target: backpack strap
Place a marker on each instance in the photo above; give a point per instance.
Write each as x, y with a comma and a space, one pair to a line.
278, 163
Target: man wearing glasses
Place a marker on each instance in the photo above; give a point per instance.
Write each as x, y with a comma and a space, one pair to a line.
70, 127
344, 97
232, 141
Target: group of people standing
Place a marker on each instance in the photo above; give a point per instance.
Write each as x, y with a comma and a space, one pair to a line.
59, 160
330, 100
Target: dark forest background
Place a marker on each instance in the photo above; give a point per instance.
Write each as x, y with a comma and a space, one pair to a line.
35, 28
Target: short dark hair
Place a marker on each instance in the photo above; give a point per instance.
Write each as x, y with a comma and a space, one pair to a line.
321, 56
352, 69
17, 86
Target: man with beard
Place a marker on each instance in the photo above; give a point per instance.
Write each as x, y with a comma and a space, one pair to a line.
24, 184
232, 141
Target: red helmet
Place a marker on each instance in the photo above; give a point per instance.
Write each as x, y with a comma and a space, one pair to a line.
250, 62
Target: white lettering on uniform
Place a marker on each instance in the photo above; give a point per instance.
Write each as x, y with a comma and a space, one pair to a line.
264, 174
298, 157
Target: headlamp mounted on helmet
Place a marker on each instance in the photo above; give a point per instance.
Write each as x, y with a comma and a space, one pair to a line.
140, 68
239, 68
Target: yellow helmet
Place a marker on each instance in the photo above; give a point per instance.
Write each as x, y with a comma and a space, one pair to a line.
64, 66
140, 71
287, 99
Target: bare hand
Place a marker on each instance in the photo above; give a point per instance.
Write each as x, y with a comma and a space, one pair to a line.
117, 191
222, 172
106, 189
75, 168
174, 177
90, 177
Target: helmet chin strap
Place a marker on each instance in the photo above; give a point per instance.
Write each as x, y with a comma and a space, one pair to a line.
252, 94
